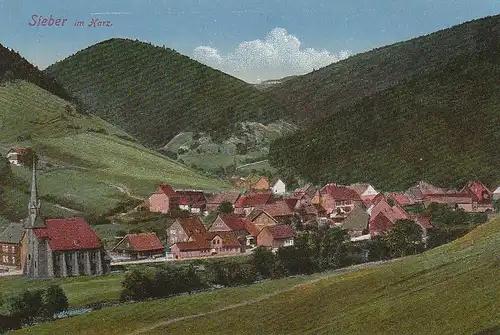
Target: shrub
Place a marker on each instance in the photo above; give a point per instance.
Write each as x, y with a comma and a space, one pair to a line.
54, 300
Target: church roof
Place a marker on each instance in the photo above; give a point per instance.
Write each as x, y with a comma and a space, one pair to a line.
68, 234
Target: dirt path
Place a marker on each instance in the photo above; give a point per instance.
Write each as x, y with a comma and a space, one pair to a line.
122, 188
145, 330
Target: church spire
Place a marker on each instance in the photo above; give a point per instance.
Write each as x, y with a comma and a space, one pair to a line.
34, 219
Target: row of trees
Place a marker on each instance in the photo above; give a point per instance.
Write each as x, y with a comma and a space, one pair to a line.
34, 305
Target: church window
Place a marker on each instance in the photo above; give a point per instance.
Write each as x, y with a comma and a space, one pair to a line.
29, 257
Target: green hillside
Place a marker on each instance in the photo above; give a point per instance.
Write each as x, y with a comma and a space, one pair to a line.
154, 93
437, 122
452, 290
90, 163
14, 66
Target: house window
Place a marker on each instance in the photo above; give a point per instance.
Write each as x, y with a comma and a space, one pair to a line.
5, 248
5, 259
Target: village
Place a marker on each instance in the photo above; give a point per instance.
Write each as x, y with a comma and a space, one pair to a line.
265, 214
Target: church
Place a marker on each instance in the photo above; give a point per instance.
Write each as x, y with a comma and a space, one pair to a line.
59, 247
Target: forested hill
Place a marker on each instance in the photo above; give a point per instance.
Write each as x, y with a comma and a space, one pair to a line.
442, 126
14, 66
154, 93
325, 91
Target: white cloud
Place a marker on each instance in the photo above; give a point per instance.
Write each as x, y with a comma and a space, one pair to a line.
278, 55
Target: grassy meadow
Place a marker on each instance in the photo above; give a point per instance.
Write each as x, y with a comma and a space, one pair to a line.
90, 163
452, 289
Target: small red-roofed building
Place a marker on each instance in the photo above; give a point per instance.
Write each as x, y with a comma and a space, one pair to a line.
380, 224
164, 199
192, 201
214, 201
262, 184
139, 246
234, 223
248, 202
279, 210
19, 156
338, 201
481, 196
261, 219
183, 228
208, 244
276, 236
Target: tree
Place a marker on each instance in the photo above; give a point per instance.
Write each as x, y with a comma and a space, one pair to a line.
263, 261
404, 238
54, 300
225, 207
496, 204
27, 305
138, 284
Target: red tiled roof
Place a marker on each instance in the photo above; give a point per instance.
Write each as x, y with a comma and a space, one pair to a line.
251, 228
402, 199
167, 190
221, 197
190, 197
340, 192
449, 198
193, 245
69, 234
280, 231
253, 199
145, 241
392, 213
477, 189
380, 224
229, 238
234, 221
192, 225
277, 209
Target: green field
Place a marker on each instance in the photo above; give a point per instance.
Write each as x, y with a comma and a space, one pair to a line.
452, 289
81, 291
90, 163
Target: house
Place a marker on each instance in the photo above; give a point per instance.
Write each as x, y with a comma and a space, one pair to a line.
369, 202
260, 184
10, 246
276, 236
246, 203
20, 156
356, 222
278, 186
192, 201
234, 223
279, 210
164, 199
423, 189
208, 244
183, 228
214, 202
496, 193
261, 219
481, 196
307, 189
380, 224
59, 247
454, 200
139, 246
365, 191
337, 200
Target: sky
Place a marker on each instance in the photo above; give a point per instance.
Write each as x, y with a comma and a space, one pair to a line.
251, 40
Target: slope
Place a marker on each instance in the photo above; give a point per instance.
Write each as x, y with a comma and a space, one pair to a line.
441, 125
87, 159
154, 93
14, 66
323, 92
448, 290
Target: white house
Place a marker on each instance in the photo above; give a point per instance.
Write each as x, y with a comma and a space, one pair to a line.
496, 193
278, 186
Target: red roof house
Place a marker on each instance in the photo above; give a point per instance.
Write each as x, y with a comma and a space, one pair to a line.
137, 246
164, 199
183, 228
276, 236
481, 196
246, 203
214, 202
401, 199
192, 201
337, 200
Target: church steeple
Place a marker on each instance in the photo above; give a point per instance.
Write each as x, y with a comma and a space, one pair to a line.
34, 219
